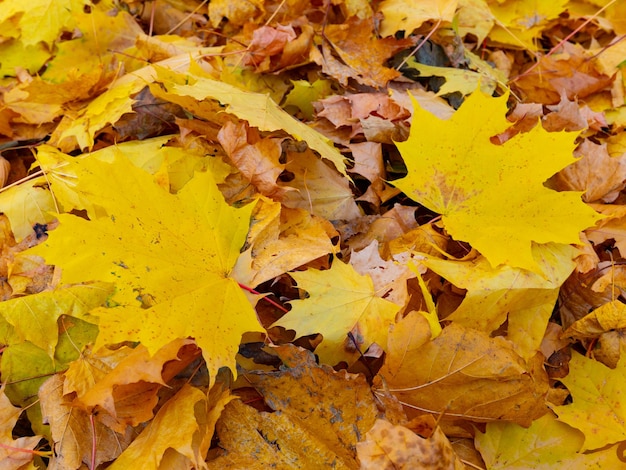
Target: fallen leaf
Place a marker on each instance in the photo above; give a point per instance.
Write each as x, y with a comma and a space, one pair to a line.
267, 41
306, 398
611, 227
71, 430
237, 12
546, 444
318, 188
607, 325
34, 317
256, 157
282, 239
26, 205
462, 178
305, 93
362, 52
597, 407
465, 374
474, 17
340, 301
568, 70
405, 15
457, 80
599, 175
178, 426
14, 453
497, 295
128, 392
389, 276
171, 273
388, 446
258, 109
520, 23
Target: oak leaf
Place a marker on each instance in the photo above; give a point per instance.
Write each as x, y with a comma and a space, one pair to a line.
340, 301
492, 196
169, 255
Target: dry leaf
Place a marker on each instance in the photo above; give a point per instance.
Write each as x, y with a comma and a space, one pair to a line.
395, 447
464, 374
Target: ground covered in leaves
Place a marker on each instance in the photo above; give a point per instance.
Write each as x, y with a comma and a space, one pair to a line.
312, 234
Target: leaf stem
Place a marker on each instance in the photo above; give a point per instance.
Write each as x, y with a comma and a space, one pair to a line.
40, 453
268, 300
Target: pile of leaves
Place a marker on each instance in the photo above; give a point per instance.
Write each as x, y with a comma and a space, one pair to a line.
312, 234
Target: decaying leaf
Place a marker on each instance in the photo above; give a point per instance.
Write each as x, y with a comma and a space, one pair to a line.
306, 398
395, 447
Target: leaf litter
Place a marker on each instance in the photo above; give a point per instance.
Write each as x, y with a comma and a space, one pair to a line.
312, 234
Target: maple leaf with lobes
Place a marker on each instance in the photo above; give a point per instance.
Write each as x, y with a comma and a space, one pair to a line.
492, 196
170, 257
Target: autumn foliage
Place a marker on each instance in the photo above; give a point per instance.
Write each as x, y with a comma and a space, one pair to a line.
312, 234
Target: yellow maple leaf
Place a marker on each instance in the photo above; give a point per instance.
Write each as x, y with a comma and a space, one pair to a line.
170, 257
34, 317
521, 22
407, 15
493, 196
494, 295
340, 301
546, 444
598, 401
257, 108
178, 426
